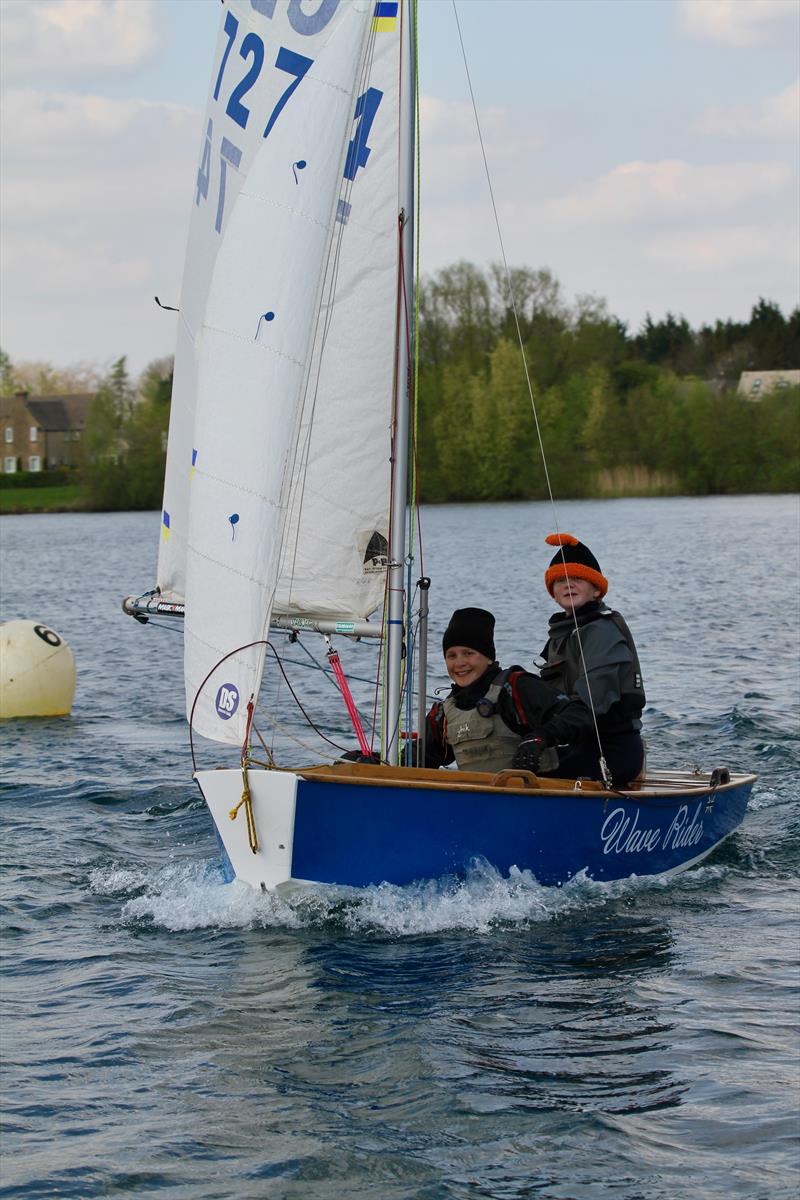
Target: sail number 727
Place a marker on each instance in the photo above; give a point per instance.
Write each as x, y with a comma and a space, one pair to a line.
252, 48
252, 52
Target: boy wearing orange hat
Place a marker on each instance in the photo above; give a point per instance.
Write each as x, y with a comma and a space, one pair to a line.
590, 656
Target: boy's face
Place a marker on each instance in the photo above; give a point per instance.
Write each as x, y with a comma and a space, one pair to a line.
464, 666
571, 592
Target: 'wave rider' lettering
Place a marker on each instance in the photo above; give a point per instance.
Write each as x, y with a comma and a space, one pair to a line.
621, 834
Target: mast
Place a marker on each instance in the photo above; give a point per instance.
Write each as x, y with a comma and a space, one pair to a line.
395, 641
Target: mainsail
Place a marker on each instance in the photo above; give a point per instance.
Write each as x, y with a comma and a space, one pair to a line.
283, 379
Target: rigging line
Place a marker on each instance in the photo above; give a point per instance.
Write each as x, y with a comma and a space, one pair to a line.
409, 705
417, 232
381, 681
392, 477
225, 657
316, 729
265, 747
314, 665
328, 303
278, 699
506, 270
410, 596
430, 696
513, 301
414, 501
315, 750
412, 441
317, 666
396, 729
161, 625
380, 666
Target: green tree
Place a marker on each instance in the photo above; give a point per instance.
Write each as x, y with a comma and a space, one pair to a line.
667, 343
8, 384
104, 470
768, 336
126, 439
606, 432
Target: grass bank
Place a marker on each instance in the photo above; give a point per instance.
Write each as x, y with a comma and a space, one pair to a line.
66, 497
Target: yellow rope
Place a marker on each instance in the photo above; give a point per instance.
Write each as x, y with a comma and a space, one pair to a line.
247, 801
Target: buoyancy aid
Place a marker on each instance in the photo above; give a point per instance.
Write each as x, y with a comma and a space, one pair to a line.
481, 743
564, 668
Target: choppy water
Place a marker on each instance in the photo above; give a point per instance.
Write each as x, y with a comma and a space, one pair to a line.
165, 1034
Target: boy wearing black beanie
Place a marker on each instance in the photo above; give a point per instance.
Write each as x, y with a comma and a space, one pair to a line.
490, 711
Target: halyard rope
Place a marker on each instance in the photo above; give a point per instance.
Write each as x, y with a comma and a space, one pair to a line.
512, 298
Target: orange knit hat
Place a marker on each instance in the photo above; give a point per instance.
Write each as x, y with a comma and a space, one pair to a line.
575, 560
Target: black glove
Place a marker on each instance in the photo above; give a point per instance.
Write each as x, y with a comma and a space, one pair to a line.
529, 752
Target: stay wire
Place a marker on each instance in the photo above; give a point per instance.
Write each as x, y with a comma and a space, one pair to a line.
297, 701
514, 309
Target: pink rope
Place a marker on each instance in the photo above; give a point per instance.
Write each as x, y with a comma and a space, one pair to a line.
336, 667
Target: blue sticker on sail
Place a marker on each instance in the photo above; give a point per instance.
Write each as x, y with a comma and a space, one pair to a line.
227, 701
204, 170
293, 64
358, 151
300, 165
228, 153
267, 316
194, 464
384, 17
306, 24
165, 524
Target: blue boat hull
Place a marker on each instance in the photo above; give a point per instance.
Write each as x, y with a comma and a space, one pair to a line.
367, 835
320, 826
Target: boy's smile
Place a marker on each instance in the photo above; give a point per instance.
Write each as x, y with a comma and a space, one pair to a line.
464, 666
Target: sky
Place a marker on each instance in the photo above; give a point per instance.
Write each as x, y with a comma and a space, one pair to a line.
645, 151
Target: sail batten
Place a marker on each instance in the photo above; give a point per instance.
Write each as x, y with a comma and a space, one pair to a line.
278, 461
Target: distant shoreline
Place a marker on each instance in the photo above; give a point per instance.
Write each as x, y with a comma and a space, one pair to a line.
52, 501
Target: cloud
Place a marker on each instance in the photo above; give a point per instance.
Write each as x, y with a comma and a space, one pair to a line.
704, 240
84, 130
667, 190
72, 36
775, 118
97, 195
739, 22
451, 155
710, 248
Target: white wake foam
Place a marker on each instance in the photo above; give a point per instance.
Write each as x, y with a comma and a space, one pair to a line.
185, 896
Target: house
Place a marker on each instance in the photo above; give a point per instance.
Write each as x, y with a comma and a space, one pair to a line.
40, 432
755, 384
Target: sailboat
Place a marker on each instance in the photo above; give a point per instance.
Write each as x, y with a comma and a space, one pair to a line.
287, 482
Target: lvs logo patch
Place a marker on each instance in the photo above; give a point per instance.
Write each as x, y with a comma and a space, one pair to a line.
227, 701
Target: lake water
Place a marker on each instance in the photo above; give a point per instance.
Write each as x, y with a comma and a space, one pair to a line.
167, 1035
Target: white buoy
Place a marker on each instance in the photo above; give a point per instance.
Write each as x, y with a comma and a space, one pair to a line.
37, 671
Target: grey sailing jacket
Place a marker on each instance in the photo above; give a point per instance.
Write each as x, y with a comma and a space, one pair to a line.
612, 673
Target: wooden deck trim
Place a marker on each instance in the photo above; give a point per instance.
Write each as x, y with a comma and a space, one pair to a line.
655, 785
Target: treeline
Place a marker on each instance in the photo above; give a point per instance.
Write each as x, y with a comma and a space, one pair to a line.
654, 412
123, 452
126, 439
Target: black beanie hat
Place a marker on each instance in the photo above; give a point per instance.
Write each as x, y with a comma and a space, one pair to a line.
473, 628
580, 562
